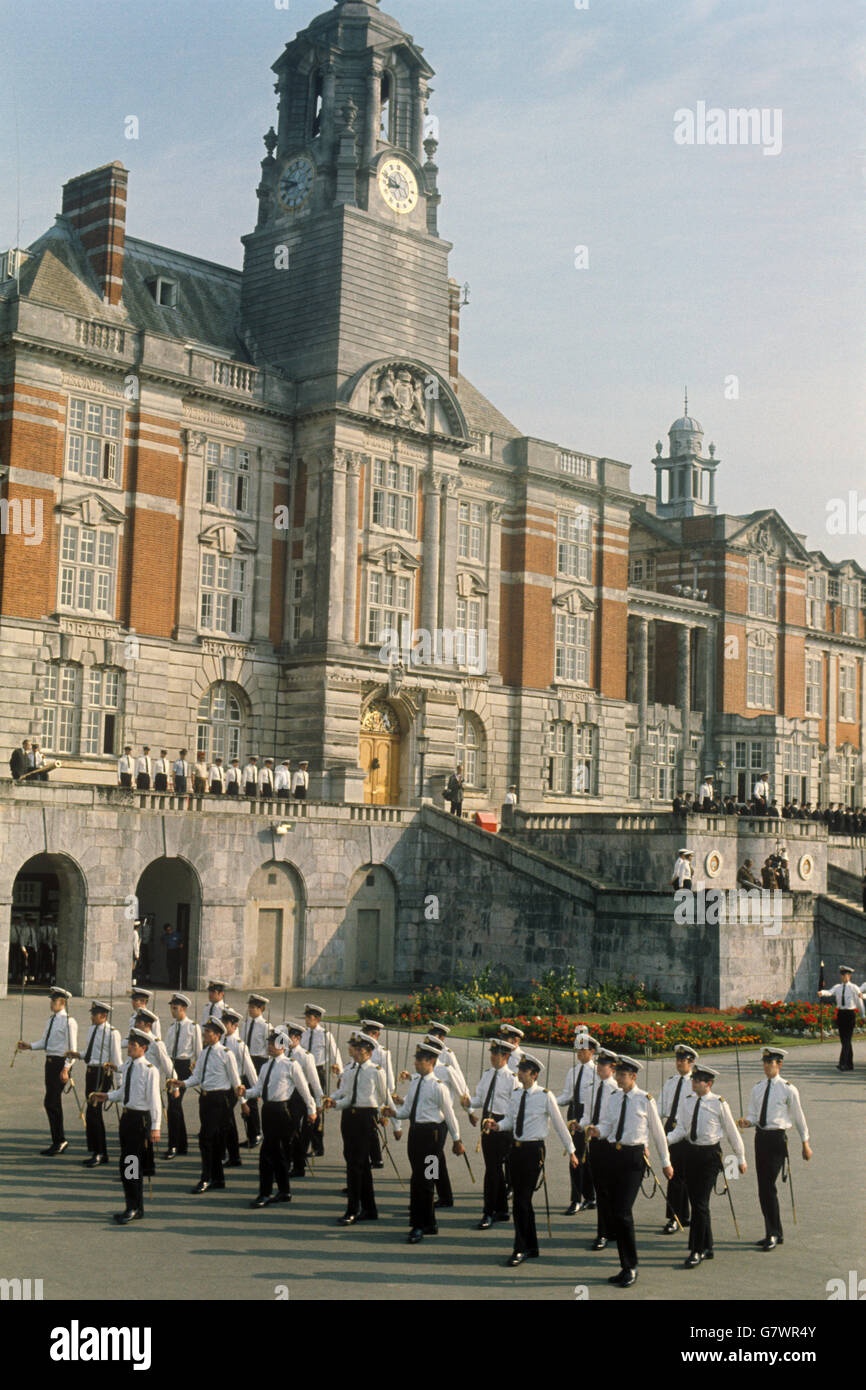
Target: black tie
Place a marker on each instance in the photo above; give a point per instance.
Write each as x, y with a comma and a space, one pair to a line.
415, 1101
621, 1126
575, 1100
205, 1062
355, 1085
249, 1032
693, 1132
521, 1111
176, 1042
50, 1026
127, 1083
844, 996
267, 1079
597, 1107
90, 1043
675, 1106
763, 1120
488, 1101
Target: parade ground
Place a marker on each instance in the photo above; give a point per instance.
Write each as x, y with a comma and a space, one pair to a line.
57, 1226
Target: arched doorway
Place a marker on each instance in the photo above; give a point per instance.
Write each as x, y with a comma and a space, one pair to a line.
274, 928
169, 893
379, 754
369, 928
49, 909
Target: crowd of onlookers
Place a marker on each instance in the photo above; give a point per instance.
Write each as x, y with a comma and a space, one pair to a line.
839, 818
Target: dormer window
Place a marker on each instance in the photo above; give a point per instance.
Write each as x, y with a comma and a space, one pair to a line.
164, 292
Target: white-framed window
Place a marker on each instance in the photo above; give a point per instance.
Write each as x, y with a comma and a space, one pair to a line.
571, 652
814, 684
833, 589
560, 746
87, 569
389, 606
469, 632
227, 477
224, 593
297, 596
761, 674
758, 760
101, 714
220, 724
849, 595
663, 756
393, 496
574, 545
762, 586
94, 439
816, 600
850, 770
585, 760
470, 531
631, 739
471, 748
60, 708
741, 753
847, 691
81, 709
796, 767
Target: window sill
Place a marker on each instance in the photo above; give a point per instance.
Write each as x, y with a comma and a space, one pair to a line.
71, 477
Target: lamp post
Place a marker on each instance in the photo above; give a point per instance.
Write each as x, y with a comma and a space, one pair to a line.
423, 745
720, 777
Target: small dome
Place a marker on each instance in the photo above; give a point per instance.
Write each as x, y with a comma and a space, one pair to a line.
686, 425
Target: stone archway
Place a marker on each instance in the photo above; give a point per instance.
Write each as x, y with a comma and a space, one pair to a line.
370, 928
169, 892
379, 753
274, 928
49, 915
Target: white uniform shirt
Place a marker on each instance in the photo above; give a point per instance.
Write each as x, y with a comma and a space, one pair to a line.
181, 768
214, 1010
850, 993
300, 779
246, 1066
266, 780
254, 1032
251, 773
599, 1099
104, 1044
448, 1059
682, 871
706, 791
283, 1077
304, 1060
505, 1084
323, 1047
59, 1036
382, 1057
217, 1068
124, 764
641, 1122
217, 774
434, 1104
155, 1029
715, 1123
159, 1058
510, 799
371, 1090
163, 765
144, 764
346, 1079
761, 790
233, 775
584, 1075
783, 1108
143, 1089
669, 1091
514, 1059
539, 1112
283, 779
183, 1040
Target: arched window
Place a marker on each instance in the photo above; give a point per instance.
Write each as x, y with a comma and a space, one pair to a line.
471, 748
560, 744
220, 723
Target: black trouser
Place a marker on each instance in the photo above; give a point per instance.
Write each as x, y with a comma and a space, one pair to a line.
177, 1138
598, 1157
160, 782
422, 1146
770, 1150
626, 1171
443, 1182
251, 789
582, 1186
701, 1163
214, 1112
358, 1123
526, 1162
134, 1144
231, 1132
496, 1148
53, 1101
678, 1191
126, 779
233, 789
296, 1147
180, 784
94, 1120
173, 959
251, 1121
142, 782
315, 1133
278, 1128
300, 793
845, 1020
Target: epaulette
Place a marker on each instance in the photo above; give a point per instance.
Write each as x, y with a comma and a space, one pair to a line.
376, 1065
150, 1064
650, 1096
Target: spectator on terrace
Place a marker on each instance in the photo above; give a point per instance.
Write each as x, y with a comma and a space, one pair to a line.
746, 877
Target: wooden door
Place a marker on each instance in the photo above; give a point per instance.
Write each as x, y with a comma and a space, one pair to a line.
382, 783
269, 947
368, 947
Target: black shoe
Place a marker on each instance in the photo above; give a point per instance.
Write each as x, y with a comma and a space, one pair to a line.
501, 1216
55, 1149
572, 1209
279, 1197
692, 1260
95, 1161
237, 1163
123, 1218
768, 1243
708, 1254
367, 1216
440, 1203
380, 1164
485, 1223
169, 1153
587, 1206
516, 1259
600, 1243
415, 1236
624, 1279
302, 1173
670, 1228
260, 1201
201, 1187
348, 1220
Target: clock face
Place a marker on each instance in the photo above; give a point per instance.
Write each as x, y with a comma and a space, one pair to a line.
296, 183
398, 185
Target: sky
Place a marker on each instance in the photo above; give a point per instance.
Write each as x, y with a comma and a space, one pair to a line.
714, 266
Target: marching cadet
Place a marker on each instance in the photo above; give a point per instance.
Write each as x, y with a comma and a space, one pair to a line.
59, 1040
382, 1058
304, 1130
125, 765
628, 1122
215, 1005
161, 771
444, 1071
280, 1080
515, 1037
361, 1102
181, 772
101, 1059
217, 777
216, 1075
704, 1120
156, 1053
439, 1032
140, 1119
183, 1044
251, 778
493, 1098
143, 769
255, 1035
674, 1092
849, 1003
326, 1054
233, 778
598, 1150
531, 1108
140, 999
578, 1086
427, 1106
774, 1106
248, 1074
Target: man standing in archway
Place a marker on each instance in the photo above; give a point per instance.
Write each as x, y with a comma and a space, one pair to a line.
59, 1038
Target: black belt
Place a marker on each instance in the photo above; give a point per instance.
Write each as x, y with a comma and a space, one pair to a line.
221, 1091
527, 1143
491, 1115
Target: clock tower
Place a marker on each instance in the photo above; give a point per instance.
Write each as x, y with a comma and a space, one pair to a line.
346, 265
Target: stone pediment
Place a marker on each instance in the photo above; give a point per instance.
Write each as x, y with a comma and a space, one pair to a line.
393, 557
769, 534
227, 538
408, 394
470, 585
575, 602
92, 510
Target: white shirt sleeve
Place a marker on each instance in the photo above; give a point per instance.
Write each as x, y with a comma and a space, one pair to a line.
448, 1112
657, 1132
559, 1123
733, 1135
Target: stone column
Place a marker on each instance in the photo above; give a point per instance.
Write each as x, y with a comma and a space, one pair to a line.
642, 674
336, 519
448, 555
419, 102
684, 674
430, 559
187, 618
833, 781
261, 563
329, 115
374, 113
494, 565
350, 588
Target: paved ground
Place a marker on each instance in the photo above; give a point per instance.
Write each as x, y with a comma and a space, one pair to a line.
57, 1226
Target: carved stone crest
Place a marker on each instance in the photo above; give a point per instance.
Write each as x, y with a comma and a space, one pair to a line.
397, 395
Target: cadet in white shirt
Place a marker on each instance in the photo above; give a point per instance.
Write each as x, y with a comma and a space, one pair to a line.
161, 771
125, 765
674, 1092
266, 780
683, 869
101, 1059
233, 778
181, 770
216, 1075
515, 1037
251, 778
183, 1044
283, 781
492, 1098
427, 1106
849, 1003
444, 1071
301, 782
139, 1094
598, 1150
449, 1058
382, 1058
58, 1041
360, 1105
255, 1034
629, 1121
216, 1003
774, 1106
703, 1121
531, 1111
326, 1055
143, 770
577, 1089
247, 1072
156, 1053
304, 1132
280, 1080
140, 999
217, 777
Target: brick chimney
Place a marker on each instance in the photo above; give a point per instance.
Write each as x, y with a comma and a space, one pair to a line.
453, 328
95, 204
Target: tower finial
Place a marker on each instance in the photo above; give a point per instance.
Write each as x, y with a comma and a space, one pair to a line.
686, 411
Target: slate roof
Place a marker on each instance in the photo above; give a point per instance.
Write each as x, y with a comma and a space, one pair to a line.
481, 414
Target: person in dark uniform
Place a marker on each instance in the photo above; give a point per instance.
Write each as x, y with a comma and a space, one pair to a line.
216, 1075
674, 1092
361, 1099
774, 1106
59, 1041
140, 1118
492, 1098
101, 1060
427, 1106
703, 1121
18, 763
849, 1003
454, 791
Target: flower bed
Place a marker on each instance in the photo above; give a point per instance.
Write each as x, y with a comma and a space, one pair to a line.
701, 1034
799, 1018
